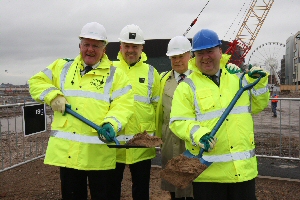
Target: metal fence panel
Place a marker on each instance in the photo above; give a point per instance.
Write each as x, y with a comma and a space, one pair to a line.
279, 137
274, 137
15, 148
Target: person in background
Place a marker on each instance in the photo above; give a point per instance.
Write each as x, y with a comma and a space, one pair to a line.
99, 92
274, 105
145, 83
197, 105
179, 52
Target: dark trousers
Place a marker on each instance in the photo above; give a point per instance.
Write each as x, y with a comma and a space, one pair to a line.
182, 198
274, 106
140, 175
224, 191
74, 184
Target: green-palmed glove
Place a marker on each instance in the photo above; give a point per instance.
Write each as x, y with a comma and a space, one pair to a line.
207, 142
256, 71
107, 133
232, 68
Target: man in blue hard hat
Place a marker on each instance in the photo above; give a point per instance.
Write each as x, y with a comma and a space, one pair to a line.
198, 104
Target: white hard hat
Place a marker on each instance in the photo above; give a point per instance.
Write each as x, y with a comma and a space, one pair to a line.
93, 30
132, 34
178, 45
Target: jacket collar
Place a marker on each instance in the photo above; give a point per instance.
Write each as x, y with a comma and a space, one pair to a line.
104, 62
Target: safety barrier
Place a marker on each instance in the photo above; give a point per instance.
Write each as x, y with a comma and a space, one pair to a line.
16, 148
275, 137
279, 137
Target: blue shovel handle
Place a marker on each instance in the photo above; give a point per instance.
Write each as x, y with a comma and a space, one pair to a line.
187, 153
88, 122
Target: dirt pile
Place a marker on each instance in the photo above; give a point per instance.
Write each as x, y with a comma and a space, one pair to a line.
143, 139
181, 171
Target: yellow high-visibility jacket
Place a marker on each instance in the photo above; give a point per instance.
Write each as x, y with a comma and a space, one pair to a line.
164, 77
103, 95
198, 104
145, 83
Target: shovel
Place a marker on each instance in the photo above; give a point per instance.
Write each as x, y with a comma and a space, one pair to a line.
183, 178
98, 129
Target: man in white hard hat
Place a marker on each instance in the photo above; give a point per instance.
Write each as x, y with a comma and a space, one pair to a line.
145, 83
97, 91
179, 52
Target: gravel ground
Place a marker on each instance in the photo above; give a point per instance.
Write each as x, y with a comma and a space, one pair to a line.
36, 181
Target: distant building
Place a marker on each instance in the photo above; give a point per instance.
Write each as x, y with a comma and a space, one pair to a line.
282, 71
292, 60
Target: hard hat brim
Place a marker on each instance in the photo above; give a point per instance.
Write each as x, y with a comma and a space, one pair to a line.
92, 38
176, 53
130, 42
205, 47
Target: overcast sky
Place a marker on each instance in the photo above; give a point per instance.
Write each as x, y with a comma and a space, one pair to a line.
34, 33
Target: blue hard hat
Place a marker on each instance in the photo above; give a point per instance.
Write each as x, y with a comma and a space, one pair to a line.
205, 39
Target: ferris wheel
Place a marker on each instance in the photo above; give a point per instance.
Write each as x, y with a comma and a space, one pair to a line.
268, 56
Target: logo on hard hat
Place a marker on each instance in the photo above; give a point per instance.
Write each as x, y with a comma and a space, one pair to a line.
132, 36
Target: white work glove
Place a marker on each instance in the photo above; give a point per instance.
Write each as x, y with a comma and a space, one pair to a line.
207, 142
256, 71
232, 68
59, 104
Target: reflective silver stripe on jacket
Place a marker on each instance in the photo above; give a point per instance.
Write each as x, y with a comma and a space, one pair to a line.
46, 92
119, 123
218, 113
230, 157
259, 91
87, 94
209, 115
192, 132
126, 138
155, 99
48, 73
121, 92
148, 99
173, 119
76, 137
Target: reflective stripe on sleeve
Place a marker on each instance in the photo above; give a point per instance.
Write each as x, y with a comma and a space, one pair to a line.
259, 91
46, 92
193, 131
230, 157
48, 73
119, 123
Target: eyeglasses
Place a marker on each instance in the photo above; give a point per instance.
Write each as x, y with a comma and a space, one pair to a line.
94, 47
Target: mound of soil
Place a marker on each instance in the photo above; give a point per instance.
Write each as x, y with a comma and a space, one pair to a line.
181, 171
143, 139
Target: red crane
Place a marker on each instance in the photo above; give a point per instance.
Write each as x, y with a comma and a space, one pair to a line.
247, 32
241, 45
